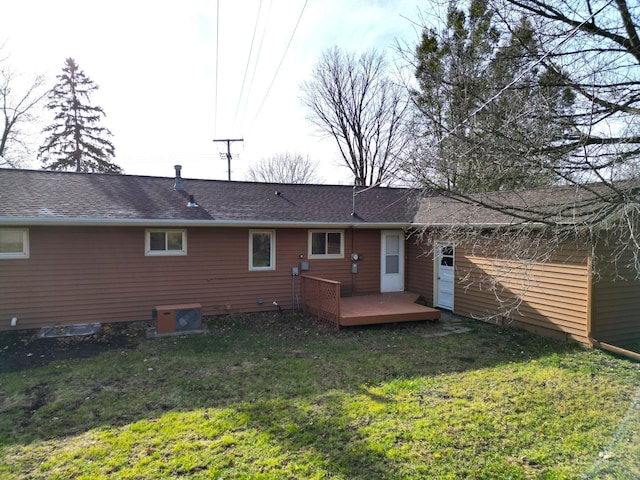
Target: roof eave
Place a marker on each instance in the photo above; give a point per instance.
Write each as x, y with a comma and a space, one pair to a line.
103, 222
480, 225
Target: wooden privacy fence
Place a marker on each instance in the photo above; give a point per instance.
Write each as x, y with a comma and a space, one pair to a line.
321, 299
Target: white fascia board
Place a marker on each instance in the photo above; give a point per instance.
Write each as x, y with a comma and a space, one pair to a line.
126, 222
481, 225
95, 222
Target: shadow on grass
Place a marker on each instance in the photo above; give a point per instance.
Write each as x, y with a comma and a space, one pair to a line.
322, 436
254, 363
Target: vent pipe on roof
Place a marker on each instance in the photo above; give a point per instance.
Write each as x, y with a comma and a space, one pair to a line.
192, 202
178, 183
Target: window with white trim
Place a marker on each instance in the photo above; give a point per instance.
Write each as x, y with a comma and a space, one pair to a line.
165, 242
326, 244
14, 243
262, 250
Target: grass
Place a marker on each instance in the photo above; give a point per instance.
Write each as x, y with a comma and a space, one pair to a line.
277, 397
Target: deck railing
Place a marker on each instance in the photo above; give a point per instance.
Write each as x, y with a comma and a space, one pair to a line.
321, 299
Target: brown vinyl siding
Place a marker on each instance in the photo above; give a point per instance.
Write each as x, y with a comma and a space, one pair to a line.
419, 269
363, 242
101, 274
554, 295
366, 243
616, 299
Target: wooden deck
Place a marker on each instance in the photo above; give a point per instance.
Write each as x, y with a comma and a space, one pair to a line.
384, 308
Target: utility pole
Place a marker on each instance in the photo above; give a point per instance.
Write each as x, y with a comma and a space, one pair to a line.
229, 140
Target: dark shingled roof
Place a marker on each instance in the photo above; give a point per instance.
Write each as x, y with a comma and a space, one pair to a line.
558, 205
106, 198
37, 196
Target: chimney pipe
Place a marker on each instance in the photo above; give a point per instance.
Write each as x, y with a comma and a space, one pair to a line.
178, 183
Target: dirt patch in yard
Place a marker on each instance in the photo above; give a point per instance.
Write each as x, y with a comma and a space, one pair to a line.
24, 349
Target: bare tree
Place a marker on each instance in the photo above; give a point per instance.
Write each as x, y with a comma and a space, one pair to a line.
589, 51
581, 64
593, 49
284, 168
355, 101
17, 107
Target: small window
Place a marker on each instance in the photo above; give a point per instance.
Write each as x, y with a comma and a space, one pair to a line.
166, 242
14, 243
446, 256
326, 244
262, 248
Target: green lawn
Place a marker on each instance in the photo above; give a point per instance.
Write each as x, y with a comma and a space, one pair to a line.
268, 396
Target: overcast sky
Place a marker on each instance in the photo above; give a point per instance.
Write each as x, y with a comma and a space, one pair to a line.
155, 63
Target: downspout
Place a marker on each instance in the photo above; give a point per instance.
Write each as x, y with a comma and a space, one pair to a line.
594, 342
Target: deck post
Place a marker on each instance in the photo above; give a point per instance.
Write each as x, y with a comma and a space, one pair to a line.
337, 297
319, 305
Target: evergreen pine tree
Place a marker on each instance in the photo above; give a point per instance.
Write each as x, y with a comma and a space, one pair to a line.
76, 141
487, 111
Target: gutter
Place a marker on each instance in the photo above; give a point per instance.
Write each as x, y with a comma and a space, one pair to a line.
135, 222
531, 225
593, 341
163, 222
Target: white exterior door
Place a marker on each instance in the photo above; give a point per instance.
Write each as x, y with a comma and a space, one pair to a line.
392, 261
444, 280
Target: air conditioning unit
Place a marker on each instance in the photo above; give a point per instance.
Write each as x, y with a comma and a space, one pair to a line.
178, 318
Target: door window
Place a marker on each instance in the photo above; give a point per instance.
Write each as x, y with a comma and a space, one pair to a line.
392, 263
446, 256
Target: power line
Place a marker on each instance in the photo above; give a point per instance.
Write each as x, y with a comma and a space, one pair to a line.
246, 69
215, 107
255, 66
281, 62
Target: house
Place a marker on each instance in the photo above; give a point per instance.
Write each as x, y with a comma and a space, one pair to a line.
581, 287
78, 248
